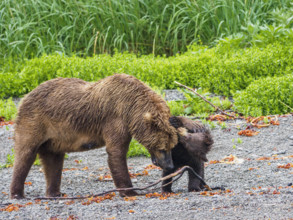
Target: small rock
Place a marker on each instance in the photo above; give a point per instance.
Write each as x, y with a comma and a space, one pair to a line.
280, 152
173, 95
291, 137
291, 144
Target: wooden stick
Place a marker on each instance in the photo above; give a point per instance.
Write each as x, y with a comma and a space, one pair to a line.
178, 172
203, 98
285, 105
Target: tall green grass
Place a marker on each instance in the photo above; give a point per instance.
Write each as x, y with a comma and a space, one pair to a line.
29, 28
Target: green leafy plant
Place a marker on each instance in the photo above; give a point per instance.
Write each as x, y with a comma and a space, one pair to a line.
9, 160
176, 107
239, 141
271, 95
136, 149
7, 109
218, 71
196, 105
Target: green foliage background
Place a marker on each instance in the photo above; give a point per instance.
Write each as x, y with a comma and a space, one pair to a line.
31, 28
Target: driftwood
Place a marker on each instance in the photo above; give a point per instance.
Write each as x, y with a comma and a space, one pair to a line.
203, 98
178, 173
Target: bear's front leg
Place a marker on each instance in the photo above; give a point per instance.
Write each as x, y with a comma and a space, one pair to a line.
119, 170
117, 143
167, 188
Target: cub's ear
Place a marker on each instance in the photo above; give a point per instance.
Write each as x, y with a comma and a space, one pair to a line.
182, 132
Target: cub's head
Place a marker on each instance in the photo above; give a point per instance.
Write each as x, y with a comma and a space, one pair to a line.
196, 144
194, 137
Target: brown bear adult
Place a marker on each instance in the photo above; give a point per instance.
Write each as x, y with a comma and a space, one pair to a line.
69, 115
195, 141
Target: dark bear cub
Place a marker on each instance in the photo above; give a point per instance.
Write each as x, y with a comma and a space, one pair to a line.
195, 141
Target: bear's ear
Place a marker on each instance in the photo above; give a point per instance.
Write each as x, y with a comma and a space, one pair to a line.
147, 117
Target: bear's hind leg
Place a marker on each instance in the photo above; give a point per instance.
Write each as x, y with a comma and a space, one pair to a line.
52, 165
25, 156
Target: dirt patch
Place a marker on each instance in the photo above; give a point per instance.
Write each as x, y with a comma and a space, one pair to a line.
257, 178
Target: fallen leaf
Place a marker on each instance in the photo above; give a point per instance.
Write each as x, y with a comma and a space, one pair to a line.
12, 207
264, 158
286, 166
72, 217
99, 199
248, 133
70, 202
152, 167
276, 192
131, 198
217, 117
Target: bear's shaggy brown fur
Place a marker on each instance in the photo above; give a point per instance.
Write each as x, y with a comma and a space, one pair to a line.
195, 141
68, 115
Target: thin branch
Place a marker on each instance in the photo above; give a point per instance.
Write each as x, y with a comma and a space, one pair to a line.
286, 105
203, 98
178, 172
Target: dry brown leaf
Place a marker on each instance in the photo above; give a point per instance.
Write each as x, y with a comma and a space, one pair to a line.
131, 198
152, 167
248, 132
286, 166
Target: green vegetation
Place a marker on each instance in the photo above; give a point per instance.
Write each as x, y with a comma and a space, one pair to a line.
271, 95
9, 160
7, 109
136, 149
34, 27
217, 69
195, 105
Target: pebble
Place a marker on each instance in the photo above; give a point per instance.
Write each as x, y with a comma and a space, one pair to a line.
280, 152
1, 133
291, 137
173, 95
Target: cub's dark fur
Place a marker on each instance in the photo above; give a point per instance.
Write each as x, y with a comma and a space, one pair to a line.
195, 141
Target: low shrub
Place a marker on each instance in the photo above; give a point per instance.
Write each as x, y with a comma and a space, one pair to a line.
7, 109
268, 96
221, 70
136, 149
193, 104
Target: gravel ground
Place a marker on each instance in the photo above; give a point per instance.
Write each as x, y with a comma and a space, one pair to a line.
259, 189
